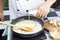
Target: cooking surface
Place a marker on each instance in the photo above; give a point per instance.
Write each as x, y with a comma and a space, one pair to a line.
14, 37
41, 36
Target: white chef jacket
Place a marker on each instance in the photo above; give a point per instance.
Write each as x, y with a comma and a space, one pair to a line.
19, 8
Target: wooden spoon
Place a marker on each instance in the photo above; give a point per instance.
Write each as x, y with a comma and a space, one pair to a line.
27, 29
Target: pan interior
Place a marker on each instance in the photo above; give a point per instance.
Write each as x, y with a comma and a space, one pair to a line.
32, 18
35, 26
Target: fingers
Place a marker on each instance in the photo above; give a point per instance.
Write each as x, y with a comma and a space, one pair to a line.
42, 14
39, 13
2, 19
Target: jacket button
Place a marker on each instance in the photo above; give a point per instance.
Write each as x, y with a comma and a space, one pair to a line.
17, 0
27, 10
18, 10
27, 0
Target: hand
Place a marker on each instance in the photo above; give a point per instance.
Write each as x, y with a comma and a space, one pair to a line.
43, 10
1, 17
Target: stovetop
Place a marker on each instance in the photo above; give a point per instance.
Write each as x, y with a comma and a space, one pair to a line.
41, 36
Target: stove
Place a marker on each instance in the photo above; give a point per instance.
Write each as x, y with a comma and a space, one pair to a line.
41, 36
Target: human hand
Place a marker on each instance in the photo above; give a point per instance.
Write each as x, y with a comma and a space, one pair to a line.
43, 10
1, 17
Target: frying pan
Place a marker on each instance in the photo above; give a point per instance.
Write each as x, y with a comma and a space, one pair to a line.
19, 19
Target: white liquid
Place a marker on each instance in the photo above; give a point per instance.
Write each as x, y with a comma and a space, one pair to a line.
29, 23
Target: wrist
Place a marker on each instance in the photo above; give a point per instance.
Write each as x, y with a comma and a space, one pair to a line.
50, 2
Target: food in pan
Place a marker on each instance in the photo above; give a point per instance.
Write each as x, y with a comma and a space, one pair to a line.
24, 28
34, 25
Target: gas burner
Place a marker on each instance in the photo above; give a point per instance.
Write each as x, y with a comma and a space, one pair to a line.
42, 36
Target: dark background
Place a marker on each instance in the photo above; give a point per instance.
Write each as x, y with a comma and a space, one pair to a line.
56, 4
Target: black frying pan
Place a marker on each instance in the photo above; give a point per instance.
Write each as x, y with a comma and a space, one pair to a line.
26, 18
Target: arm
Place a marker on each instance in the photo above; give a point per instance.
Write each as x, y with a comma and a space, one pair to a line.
1, 9
50, 2
44, 8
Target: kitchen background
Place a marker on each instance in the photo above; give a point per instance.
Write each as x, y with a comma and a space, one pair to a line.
56, 5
